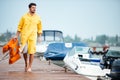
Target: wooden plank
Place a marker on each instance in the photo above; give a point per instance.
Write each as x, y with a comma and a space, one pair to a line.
41, 70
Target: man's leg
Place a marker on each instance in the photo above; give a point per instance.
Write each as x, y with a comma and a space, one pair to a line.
31, 50
26, 61
31, 57
25, 56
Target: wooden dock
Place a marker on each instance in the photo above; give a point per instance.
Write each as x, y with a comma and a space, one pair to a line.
41, 70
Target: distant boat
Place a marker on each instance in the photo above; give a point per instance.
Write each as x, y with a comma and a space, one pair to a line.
108, 58
57, 51
48, 36
81, 61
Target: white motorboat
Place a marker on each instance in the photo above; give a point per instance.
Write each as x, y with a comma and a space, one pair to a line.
48, 37
82, 62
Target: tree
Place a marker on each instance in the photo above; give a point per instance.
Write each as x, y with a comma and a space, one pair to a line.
116, 38
76, 38
6, 36
101, 39
68, 39
2, 37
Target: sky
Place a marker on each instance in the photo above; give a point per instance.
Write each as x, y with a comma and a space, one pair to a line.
86, 18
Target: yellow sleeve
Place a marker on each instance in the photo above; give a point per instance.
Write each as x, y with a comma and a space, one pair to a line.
20, 25
39, 27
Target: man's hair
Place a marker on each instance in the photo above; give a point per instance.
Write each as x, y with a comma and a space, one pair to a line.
31, 4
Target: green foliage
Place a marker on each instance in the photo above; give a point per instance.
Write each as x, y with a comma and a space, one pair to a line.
76, 39
2, 38
5, 36
101, 39
68, 39
114, 40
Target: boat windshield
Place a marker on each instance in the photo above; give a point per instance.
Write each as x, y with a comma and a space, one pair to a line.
52, 36
112, 53
78, 49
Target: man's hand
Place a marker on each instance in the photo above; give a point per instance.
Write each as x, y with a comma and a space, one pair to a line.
17, 35
39, 39
15, 38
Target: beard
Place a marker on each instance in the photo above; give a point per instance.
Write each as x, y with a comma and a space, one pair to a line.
32, 11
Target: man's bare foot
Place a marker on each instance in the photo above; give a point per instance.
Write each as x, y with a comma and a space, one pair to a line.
29, 70
26, 68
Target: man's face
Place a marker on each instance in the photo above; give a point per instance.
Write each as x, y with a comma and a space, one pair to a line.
32, 9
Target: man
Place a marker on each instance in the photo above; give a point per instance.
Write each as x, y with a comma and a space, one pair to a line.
28, 28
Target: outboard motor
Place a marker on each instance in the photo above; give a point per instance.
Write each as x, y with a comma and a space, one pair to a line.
115, 70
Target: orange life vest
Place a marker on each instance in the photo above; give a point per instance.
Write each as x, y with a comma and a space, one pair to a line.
13, 47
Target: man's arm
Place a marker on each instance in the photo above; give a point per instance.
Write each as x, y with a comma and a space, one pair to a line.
39, 28
17, 34
39, 31
39, 37
39, 34
20, 25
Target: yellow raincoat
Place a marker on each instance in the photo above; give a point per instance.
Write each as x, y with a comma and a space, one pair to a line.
28, 27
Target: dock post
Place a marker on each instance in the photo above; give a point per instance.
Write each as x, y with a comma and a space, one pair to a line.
65, 69
49, 61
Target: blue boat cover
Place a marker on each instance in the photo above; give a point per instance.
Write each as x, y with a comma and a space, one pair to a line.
57, 51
